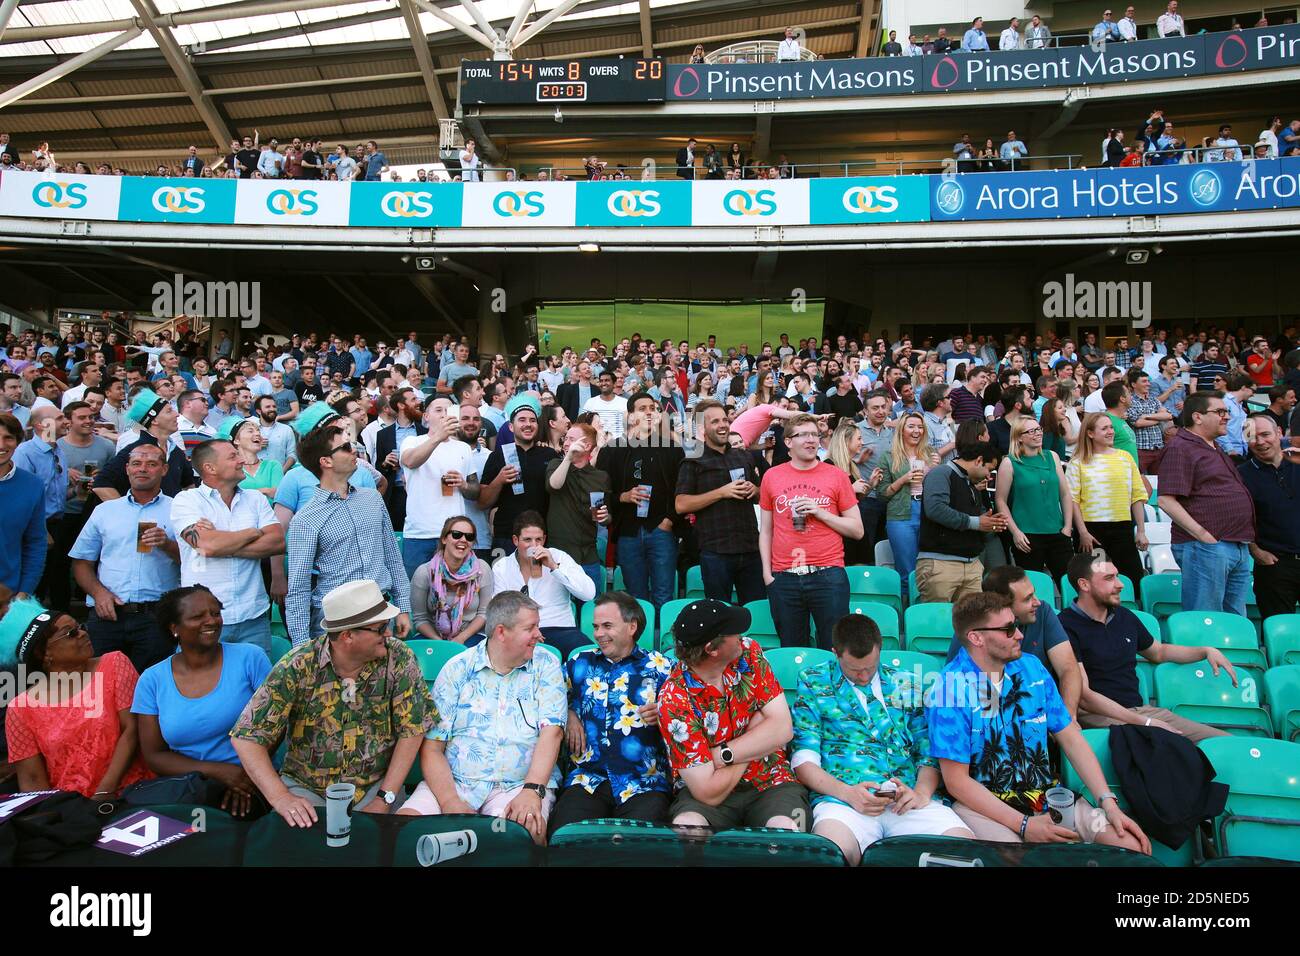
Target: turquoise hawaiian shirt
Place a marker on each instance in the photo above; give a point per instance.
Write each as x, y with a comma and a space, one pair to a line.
1002, 736
491, 722
853, 744
621, 750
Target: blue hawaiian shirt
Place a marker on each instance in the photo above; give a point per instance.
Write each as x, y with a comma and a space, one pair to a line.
621, 750
1003, 737
491, 722
853, 744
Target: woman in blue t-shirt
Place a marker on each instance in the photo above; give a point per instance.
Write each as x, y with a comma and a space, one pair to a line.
187, 704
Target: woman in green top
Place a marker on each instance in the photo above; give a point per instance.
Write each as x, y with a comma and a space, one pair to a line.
1034, 496
579, 495
904, 469
1056, 423
246, 436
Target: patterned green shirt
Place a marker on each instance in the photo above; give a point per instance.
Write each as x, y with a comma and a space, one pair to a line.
337, 734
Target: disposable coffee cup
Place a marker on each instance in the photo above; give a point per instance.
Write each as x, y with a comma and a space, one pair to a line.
1060, 806
434, 848
338, 813
643, 506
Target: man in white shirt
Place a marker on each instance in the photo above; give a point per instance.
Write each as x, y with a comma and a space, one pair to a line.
1010, 38
1128, 28
611, 408
224, 532
436, 471
789, 48
1170, 24
257, 383
1037, 36
90, 376
548, 576
1269, 136
469, 163
1094, 402
279, 443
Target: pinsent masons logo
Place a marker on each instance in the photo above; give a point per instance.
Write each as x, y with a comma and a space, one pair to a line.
212, 300
1232, 52
1205, 187
687, 83
946, 73
950, 197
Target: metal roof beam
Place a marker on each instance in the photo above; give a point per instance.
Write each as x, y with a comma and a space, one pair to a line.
420, 44
16, 93
184, 70
7, 8
547, 19
460, 25
647, 31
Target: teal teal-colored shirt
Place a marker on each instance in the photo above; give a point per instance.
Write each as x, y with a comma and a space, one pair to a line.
856, 743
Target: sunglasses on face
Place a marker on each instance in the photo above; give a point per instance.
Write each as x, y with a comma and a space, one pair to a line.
1009, 629
469, 536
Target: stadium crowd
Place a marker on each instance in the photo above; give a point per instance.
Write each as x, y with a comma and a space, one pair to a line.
171, 501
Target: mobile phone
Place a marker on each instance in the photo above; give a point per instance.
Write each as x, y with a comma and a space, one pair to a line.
888, 789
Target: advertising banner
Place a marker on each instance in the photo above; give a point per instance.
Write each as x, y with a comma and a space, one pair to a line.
624, 203
864, 199
291, 203
750, 202
150, 199
59, 197
519, 204
415, 205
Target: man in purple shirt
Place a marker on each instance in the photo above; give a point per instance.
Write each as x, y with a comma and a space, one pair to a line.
968, 397
1212, 510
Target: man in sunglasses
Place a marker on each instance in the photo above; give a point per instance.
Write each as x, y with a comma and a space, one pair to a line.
341, 534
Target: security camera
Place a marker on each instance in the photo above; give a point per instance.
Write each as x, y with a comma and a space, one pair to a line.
425, 263
1137, 257
559, 117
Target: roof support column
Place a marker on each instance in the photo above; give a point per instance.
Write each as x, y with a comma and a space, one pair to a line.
16, 93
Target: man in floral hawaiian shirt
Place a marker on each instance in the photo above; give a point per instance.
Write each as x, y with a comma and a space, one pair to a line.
501, 710
989, 720
862, 746
726, 723
620, 768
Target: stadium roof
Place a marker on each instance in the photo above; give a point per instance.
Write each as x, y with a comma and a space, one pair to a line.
198, 71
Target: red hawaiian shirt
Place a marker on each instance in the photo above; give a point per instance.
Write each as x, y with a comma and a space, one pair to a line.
695, 717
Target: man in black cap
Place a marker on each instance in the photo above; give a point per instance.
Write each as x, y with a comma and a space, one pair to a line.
726, 723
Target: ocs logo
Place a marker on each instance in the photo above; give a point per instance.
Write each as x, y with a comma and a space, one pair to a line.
60, 195
292, 202
750, 202
179, 199
950, 197
528, 204
1204, 188
406, 205
869, 199
634, 202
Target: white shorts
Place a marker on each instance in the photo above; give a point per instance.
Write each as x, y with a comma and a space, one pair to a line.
933, 819
423, 801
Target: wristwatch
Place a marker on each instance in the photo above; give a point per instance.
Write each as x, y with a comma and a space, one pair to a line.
727, 755
1103, 797
537, 788
388, 795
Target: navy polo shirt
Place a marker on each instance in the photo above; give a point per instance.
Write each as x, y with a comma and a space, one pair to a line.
1108, 651
1039, 638
1277, 513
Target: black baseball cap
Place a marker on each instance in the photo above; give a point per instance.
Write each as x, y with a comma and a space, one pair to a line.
704, 620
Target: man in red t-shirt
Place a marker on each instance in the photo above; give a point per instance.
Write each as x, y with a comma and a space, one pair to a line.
1262, 363
808, 507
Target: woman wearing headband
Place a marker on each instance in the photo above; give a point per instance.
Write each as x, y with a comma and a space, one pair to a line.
72, 729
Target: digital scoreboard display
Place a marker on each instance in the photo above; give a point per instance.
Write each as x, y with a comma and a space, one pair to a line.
613, 80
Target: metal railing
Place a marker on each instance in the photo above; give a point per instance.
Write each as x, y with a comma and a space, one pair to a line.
753, 51
868, 167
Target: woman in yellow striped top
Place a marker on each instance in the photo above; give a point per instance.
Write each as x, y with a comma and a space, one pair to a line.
1108, 494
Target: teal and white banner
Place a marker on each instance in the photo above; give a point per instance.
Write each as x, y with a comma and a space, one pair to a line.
860, 200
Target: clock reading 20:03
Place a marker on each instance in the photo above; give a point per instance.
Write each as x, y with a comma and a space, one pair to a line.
605, 80
555, 92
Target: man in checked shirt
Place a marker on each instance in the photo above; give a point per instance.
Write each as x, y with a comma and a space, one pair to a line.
341, 534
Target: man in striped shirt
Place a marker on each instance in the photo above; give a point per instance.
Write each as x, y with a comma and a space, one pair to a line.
341, 534
968, 397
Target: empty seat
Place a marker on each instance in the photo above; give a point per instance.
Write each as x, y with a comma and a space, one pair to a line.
928, 628
612, 842
280, 646
878, 584
1147, 670
1160, 560
1262, 816
915, 669
272, 842
645, 639
1193, 691
1282, 690
787, 662
498, 842
762, 628
433, 656
694, 582
886, 619
1162, 594
1160, 533
1232, 634
884, 554
1282, 639
764, 847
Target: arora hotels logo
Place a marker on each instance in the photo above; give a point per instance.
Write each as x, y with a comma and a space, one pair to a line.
179, 199
625, 203
750, 202
516, 204
292, 202
950, 197
1204, 188
56, 195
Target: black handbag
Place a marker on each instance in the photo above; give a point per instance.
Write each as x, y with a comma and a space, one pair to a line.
185, 788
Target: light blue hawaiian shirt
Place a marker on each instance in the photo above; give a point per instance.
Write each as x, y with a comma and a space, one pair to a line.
621, 750
491, 722
853, 743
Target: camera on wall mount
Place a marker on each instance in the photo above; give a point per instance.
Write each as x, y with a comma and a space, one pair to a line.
1137, 257
559, 117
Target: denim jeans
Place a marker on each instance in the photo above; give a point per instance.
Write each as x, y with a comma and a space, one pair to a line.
904, 538
823, 594
649, 563
1216, 577
135, 635
417, 551
597, 574
722, 572
256, 630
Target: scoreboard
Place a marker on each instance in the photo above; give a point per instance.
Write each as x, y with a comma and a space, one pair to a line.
612, 80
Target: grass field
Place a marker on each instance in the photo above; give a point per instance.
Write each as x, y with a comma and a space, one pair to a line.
575, 324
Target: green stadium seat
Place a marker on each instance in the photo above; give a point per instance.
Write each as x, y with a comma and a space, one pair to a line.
217, 842
667, 617
1282, 639
578, 650
1230, 633
1262, 816
913, 595
618, 584
1043, 587
272, 842
554, 650
499, 842
433, 655
646, 640
878, 584
1128, 597
912, 851
1194, 692
884, 615
276, 616
1145, 682
915, 667
1099, 740
929, 628
1144, 666
694, 582
762, 628
764, 847
624, 843
1162, 594
787, 662
1282, 691
280, 646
